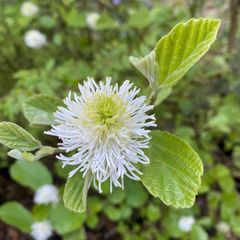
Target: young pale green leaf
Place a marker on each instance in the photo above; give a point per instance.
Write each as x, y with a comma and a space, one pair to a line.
178, 51
147, 65
24, 156
39, 109
14, 153
28, 156
30, 174
174, 172
13, 136
15, 214
44, 152
75, 192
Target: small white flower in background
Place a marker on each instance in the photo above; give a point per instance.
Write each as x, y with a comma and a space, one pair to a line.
29, 9
41, 230
223, 227
92, 19
185, 223
46, 194
106, 124
35, 39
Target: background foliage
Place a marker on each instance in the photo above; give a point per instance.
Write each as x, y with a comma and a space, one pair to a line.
203, 109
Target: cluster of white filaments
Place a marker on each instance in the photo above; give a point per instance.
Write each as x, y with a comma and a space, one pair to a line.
46, 194
41, 230
186, 223
108, 126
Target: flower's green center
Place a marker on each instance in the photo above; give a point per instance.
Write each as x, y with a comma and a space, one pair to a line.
105, 111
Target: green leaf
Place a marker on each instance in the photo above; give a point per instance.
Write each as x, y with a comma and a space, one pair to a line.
139, 19
47, 22
41, 212
126, 212
94, 204
68, 2
25, 156
174, 172
235, 225
112, 213
30, 174
153, 212
75, 192
75, 19
162, 95
178, 51
13, 136
44, 151
148, 66
105, 22
14, 153
78, 235
92, 220
65, 221
39, 109
15, 214
117, 196
136, 195
198, 233
223, 120
28, 156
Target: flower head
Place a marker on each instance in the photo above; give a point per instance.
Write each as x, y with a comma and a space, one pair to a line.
34, 39
92, 19
107, 126
41, 230
29, 9
46, 194
185, 223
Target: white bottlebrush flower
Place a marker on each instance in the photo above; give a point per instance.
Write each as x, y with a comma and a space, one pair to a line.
107, 126
41, 230
46, 194
92, 19
29, 9
35, 39
185, 223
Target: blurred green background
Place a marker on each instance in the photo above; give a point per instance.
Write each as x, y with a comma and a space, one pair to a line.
80, 38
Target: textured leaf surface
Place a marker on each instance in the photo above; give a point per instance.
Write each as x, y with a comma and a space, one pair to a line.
13, 136
178, 51
174, 172
39, 109
184, 46
75, 192
147, 65
15, 214
30, 174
